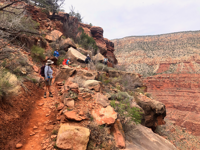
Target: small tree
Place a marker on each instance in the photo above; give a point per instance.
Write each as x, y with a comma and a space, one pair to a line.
50, 5
74, 14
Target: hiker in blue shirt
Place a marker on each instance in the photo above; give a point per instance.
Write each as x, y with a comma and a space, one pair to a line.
56, 53
68, 62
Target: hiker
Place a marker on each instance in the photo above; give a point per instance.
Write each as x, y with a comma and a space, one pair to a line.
48, 77
88, 60
105, 60
68, 62
56, 53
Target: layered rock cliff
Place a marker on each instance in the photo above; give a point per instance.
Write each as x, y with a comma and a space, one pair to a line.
169, 64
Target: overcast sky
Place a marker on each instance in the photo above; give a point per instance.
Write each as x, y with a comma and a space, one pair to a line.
121, 18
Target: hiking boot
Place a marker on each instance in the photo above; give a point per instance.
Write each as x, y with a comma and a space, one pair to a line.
45, 95
50, 94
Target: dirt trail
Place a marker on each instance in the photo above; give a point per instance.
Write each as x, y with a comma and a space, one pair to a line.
41, 122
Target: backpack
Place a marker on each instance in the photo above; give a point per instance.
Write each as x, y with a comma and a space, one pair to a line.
86, 60
42, 71
64, 61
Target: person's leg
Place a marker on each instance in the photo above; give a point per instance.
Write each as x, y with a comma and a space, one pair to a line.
46, 89
50, 94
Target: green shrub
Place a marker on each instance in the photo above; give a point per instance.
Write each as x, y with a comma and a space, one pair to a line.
100, 138
44, 10
126, 112
37, 53
4, 83
60, 60
87, 42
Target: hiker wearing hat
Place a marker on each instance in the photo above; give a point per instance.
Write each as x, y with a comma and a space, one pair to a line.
48, 77
88, 60
105, 60
56, 53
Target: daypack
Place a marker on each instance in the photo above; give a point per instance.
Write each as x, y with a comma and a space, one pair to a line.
86, 60
64, 61
42, 71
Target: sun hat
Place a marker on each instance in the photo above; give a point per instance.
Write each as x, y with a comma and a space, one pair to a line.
49, 62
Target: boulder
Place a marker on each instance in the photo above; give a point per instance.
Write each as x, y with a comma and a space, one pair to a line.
101, 99
69, 102
93, 85
97, 34
72, 137
75, 55
60, 106
142, 138
119, 135
111, 57
87, 74
98, 57
53, 36
73, 86
154, 111
104, 115
73, 115
84, 52
67, 43
19, 145
64, 73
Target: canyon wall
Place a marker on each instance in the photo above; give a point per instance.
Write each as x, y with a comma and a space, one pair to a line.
170, 66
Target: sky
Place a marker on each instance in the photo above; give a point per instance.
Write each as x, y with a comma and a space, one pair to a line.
121, 18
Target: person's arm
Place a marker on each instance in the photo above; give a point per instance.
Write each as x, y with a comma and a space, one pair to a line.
45, 72
54, 54
58, 54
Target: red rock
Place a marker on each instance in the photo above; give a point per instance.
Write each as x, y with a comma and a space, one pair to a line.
72, 115
72, 137
70, 103
81, 113
59, 83
67, 43
118, 134
101, 99
180, 95
49, 127
60, 106
54, 35
73, 86
53, 136
19, 145
104, 115
35, 68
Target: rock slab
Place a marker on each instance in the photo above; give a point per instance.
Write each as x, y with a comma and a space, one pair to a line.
72, 137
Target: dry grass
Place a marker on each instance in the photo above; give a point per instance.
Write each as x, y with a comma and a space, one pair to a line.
178, 136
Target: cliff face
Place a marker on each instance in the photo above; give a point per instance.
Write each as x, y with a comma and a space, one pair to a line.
105, 46
170, 67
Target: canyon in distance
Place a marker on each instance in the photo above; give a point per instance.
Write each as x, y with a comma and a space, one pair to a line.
170, 66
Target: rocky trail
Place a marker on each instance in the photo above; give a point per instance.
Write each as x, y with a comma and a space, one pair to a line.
41, 122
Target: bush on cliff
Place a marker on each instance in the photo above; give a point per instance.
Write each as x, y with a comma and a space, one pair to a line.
37, 53
87, 42
121, 102
74, 14
4, 84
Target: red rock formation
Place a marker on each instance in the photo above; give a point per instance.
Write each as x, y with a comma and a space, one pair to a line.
97, 34
180, 94
106, 47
